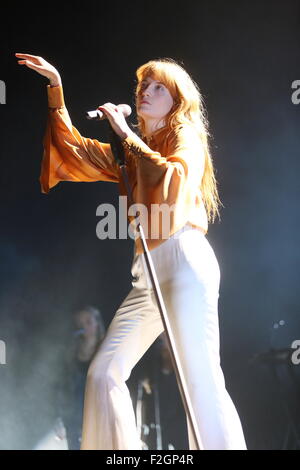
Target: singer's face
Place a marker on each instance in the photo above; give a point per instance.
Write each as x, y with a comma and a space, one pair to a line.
154, 100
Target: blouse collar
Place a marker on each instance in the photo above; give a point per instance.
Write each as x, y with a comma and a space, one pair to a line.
157, 137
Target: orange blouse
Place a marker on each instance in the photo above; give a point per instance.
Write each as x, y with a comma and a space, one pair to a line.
166, 175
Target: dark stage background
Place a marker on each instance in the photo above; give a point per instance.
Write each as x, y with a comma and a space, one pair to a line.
244, 56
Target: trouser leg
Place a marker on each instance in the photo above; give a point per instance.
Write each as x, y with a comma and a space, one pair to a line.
109, 418
195, 328
189, 279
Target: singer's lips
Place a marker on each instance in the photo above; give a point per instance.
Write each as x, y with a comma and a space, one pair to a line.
147, 102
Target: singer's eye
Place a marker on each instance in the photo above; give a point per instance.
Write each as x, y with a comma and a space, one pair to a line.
143, 86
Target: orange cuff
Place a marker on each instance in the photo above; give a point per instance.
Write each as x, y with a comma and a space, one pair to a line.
55, 96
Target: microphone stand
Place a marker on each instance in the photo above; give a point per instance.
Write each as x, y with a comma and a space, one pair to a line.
119, 155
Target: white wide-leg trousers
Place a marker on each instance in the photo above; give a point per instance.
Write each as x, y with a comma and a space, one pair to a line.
189, 278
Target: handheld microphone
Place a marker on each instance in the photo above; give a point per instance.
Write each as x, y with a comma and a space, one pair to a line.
98, 115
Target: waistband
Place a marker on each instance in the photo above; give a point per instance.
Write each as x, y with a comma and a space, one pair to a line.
188, 226
170, 257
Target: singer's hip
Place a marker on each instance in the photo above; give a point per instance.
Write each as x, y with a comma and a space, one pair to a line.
185, 257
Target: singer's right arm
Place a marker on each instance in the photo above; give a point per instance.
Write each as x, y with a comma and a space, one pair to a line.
67, 155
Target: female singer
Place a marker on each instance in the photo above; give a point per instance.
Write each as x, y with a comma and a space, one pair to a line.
168, 164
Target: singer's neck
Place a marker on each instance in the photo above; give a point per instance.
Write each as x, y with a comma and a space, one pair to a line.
153, 125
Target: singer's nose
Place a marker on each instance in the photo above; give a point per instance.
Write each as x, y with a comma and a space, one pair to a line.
145, 93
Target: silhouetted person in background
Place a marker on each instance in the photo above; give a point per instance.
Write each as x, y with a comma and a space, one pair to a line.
87, 336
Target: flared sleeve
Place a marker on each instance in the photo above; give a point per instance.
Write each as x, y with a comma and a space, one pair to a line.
67, 155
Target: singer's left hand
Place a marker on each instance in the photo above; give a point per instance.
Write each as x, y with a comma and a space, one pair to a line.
116, 119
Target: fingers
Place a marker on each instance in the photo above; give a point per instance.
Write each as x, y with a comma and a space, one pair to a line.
104, 110
29, 64
109, 107
19, 54
33, 58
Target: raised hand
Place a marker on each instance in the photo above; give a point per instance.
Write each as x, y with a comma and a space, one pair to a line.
41, 66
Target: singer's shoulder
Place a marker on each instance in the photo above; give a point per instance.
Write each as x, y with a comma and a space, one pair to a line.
183, 134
